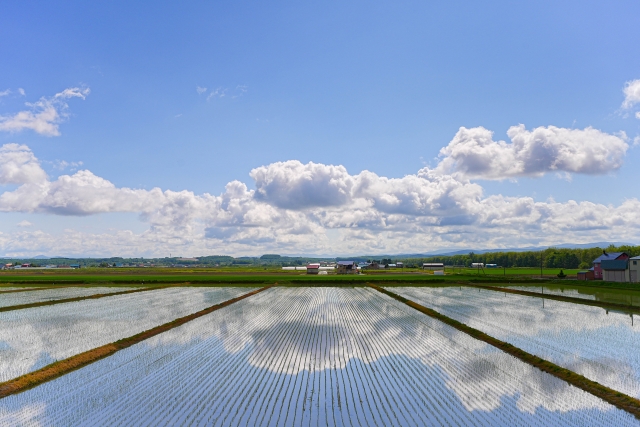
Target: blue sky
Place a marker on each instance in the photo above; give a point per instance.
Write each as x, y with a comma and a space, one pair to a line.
379, 87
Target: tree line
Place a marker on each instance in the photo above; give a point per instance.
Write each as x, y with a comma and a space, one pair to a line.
549, 258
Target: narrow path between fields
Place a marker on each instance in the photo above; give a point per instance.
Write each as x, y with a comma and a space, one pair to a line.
62, 367
602, 304
616, 398
74, 299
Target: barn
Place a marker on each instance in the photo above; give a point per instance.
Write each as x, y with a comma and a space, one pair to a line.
615, 270
612, 256
313, 268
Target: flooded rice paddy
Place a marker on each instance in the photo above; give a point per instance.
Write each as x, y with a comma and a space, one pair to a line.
35, 337
600, 344
30, 296
311, 357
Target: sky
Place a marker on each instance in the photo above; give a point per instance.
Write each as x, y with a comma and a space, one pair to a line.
242, 128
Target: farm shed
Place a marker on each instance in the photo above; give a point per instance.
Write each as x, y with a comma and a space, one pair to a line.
615, 270
433, 266
634, 267
597, 263
586, 275
313, 268
347, 267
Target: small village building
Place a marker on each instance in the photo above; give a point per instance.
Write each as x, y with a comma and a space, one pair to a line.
597, 263
634, 269
615, 270
313, 268
399, 264
433, 266
586, 275
347, 267
477, 265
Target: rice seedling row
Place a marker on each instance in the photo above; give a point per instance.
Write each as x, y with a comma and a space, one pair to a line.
310, 357
33, 338
595, 343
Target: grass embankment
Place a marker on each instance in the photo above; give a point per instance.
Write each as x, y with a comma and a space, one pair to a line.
31, 289
616, 398
74, 299
62, 367
606, 305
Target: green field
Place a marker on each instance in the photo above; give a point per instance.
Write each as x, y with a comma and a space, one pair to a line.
255, 276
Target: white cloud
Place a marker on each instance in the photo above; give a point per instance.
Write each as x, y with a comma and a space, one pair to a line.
45, 115
201, 90
631, 94
474, 154
21, 91
24, 223
638, 115
299, 208
18, 165
5, 92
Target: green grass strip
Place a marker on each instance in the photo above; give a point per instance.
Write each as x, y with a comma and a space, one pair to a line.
62, 367
616, 398
602, 304
65, 300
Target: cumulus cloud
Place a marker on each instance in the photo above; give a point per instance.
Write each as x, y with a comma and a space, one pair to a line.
474, 154
631, 94
299, 208
45, 115
5, 92
295, 185
201, 90
24, 223
18, 165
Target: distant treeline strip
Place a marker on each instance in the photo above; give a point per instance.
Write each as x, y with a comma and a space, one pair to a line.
550, 258
62, 367
616, 398
65, 300
606, 305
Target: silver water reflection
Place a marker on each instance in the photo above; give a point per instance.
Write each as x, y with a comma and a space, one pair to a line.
310, 356
30, 297
35, 337
598, 344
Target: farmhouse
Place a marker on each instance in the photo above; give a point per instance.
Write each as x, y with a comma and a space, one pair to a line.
433, 266
613, 256
313, 268
347, 267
